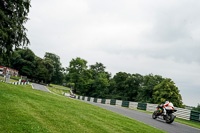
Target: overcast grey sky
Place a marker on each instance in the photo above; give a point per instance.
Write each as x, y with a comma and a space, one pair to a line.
133, 36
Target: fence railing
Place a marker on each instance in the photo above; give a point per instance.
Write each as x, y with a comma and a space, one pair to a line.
17, 83
181, 113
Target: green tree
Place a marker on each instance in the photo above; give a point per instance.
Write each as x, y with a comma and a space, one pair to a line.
197, 108
58, 76
79, 75
126, 86
100, 80
23, 60
13, 16
146, 90
50, 67
40, 71
167, 91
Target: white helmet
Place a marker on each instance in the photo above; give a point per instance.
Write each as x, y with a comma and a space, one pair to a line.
166, 102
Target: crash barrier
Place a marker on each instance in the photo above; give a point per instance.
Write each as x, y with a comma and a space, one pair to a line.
133, 105
95, 100
118, 103
83, 98
86, 98
103, 101
181, 113
125, 103
142, 106
151, 107
195, 116
17, 83
99, 100
113, 102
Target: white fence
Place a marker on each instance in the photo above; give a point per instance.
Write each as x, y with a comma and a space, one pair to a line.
118, 103
86, 98
107, 101
133, 105
182, 113
99, 100
91, 99
151, 107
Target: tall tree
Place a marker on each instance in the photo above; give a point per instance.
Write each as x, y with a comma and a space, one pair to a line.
100, 80
58, 75
40, 72
146, 91
13, 16
79, 75
23, 60
167, 91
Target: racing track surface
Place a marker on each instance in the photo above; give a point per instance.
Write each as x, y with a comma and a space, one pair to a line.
40, 87
147, 119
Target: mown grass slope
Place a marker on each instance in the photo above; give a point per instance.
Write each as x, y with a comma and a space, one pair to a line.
23, 109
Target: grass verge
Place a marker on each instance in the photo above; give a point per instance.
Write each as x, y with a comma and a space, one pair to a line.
58, 91
24, 109
59, 86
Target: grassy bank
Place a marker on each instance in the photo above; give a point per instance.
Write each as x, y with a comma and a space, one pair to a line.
59, 86
58, 91
24, 109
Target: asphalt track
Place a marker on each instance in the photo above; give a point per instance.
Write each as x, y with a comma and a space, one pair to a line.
140, 116
147, 119
39, 87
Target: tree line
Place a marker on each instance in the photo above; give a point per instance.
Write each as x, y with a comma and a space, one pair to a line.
94, 80
91, 80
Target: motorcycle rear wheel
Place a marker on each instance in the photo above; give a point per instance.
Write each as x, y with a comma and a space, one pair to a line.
154, 115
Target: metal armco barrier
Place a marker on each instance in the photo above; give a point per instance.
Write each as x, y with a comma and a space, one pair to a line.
112, 101
103, 101
142, 106
125, 103
195, 116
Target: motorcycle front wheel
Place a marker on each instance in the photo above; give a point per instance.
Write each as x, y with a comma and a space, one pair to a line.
170, 118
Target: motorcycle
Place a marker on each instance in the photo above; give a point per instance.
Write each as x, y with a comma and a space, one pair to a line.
169, 117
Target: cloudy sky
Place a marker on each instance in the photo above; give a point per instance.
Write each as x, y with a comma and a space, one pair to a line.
133, 36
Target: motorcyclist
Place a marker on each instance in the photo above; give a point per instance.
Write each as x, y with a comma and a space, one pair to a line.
167, 105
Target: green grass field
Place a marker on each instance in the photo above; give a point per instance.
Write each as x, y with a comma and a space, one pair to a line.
23, 109
59, 86
58, 91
